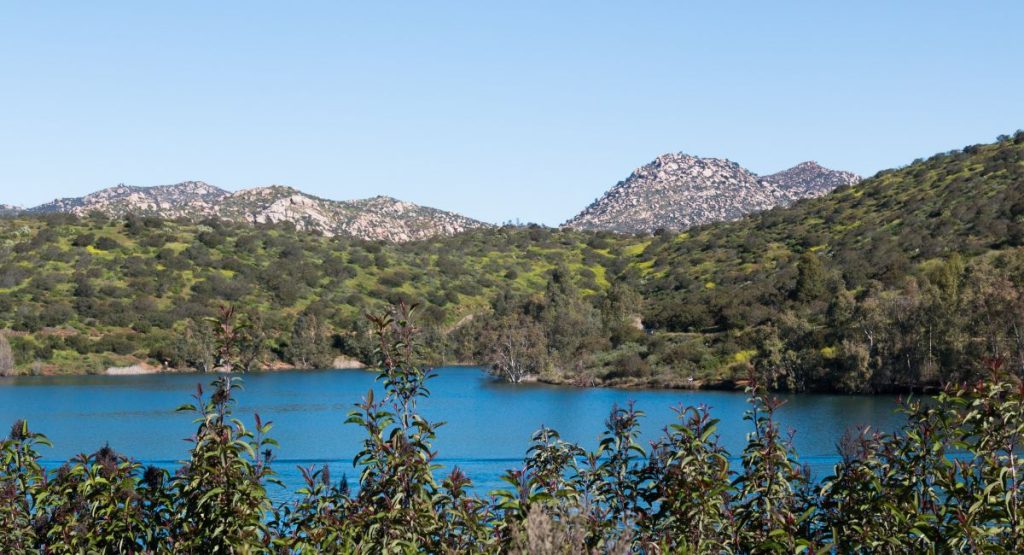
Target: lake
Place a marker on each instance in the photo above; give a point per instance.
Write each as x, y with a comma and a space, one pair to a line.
488, 428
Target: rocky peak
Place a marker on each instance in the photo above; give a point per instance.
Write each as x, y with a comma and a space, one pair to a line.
808, 165
810, 179
677, 191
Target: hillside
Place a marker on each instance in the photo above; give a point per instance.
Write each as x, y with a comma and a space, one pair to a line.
906, 279
911, 276
678, 191
379, 218
84, 293
966, 202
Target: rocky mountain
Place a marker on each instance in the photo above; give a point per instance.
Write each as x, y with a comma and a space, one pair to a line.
183, 200
678, 191
809, 179
378, 218
8, 210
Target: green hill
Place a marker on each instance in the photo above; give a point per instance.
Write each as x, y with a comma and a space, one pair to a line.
909, 278
898, 279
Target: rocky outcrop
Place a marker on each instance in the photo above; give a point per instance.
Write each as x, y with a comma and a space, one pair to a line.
809, 179
678, 191
8, 210
378, 218
184, 200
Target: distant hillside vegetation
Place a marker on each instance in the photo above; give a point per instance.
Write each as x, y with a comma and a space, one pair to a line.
907, 279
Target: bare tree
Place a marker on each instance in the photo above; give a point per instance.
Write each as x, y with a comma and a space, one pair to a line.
252, 343
6, 357
517, 347
240, 339
197, 346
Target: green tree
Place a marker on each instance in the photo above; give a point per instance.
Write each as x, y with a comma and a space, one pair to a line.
22, 480
396, 484
572, 325
811, 278
309, 346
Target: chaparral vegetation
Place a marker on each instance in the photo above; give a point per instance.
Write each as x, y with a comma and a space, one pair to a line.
906, 280
949, 480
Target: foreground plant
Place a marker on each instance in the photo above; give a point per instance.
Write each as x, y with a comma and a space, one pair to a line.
220, 495
21, 477
948, 481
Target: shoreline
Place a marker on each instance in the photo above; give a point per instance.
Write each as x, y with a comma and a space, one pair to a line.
145, 368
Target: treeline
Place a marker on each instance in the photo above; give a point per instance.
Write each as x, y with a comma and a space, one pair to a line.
906, 280
947, 482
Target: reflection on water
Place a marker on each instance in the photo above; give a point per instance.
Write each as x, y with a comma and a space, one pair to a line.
488, 424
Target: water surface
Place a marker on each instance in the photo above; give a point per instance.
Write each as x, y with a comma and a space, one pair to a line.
488, 424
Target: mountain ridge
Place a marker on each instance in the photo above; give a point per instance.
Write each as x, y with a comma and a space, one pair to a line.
677, 191
376, 218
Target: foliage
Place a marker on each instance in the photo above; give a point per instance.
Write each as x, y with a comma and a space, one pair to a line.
515, 345
20, 478
906, 280
220, 494
308, 346
948, 481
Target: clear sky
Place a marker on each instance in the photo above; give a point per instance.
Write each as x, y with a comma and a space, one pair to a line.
498, 110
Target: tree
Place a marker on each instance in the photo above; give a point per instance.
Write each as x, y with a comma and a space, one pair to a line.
241, 340
516, 348
810, 281
196, 347
6, 357
620, 313
854, 367
572, 324
309, 346
252, 343
221, 502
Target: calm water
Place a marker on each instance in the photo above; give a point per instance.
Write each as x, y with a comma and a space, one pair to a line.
487, 431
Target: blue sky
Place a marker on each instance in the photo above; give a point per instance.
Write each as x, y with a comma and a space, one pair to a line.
525, 110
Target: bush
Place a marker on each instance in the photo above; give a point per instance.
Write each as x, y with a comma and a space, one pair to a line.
947, 482
106, 244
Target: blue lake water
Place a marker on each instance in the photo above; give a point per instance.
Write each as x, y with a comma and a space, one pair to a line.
488, 423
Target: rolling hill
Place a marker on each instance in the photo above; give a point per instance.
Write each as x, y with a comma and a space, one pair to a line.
907, 279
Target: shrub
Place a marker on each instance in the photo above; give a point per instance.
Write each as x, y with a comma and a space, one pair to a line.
948, 481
